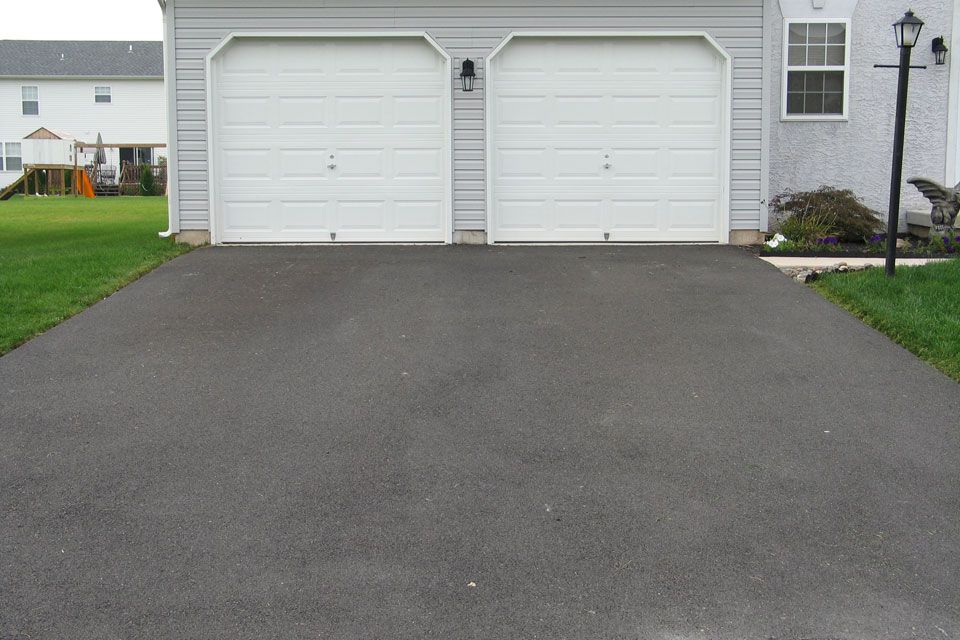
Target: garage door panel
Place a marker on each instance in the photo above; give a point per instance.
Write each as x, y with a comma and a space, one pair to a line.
351, 219
301, 60
517, 63
412, 60
686, 214
245, 112
636, 61
521, 164
571, 214
407, 220
247, 216
619, 114
318, 59
418, 164
634, 111
594, 136
634, 164
521, 111
305, 216
578, 111
523, 214
240, 63
413, 215
352, 59
332, 140
303, 112
358, 111
635, 215
692, 58
362, 214
694, 112
694, 164
247, 164
361, 164
304, 164
417, 111
578, 164
576, 57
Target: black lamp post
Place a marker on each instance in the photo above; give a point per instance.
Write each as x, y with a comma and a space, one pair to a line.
907, 30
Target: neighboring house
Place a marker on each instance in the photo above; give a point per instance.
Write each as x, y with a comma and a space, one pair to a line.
634, 120
76, 90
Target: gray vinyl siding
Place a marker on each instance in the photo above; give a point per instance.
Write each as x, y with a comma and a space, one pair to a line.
469, 28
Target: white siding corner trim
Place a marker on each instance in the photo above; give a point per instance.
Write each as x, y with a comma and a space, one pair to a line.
952, 170
211, 110
726, 117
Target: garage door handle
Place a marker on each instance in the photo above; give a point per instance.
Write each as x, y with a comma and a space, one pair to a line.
607, 165
331, 166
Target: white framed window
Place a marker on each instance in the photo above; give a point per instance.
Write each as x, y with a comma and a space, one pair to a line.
816, 70
30, 100
102, 95
12, 157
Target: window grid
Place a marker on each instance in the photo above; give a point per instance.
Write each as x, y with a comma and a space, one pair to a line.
30, 97
816, 70
102, 95
14, 157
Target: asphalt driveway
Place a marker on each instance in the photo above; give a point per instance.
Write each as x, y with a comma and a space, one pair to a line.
473, 442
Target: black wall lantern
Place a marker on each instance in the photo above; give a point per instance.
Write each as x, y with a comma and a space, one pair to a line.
467, 75
940, 50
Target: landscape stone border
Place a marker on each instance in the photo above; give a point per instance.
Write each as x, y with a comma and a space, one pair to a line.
808, 274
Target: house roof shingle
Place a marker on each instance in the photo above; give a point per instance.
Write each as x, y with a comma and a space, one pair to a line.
81, 58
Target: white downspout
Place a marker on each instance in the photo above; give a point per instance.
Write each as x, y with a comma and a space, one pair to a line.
170, 91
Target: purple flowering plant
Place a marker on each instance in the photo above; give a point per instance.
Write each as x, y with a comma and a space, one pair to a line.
828, 243
877, 243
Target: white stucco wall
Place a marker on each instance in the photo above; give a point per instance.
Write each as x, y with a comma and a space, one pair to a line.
856, 154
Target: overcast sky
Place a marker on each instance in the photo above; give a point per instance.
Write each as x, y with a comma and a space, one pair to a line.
81, 20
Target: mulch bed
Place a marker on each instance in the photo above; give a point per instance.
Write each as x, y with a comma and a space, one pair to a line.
918, 249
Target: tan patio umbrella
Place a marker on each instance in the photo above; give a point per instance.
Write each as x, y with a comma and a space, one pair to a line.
100, 157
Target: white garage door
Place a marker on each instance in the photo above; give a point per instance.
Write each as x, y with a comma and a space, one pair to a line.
331, 140
599, 139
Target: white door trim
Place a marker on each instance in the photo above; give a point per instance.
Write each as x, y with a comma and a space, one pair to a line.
211, 102
726, 117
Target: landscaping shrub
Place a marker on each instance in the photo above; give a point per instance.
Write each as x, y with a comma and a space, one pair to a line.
838, 210
147, 185
806, 229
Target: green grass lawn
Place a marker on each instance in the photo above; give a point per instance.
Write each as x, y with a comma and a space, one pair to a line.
919, 308
60, 255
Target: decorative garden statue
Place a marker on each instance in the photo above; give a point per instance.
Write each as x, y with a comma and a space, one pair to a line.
945, 201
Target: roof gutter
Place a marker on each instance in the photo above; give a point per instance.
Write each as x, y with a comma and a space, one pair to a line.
69, 77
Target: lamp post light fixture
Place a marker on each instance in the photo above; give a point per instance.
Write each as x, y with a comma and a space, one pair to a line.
467, 75
907, 30
939, 50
